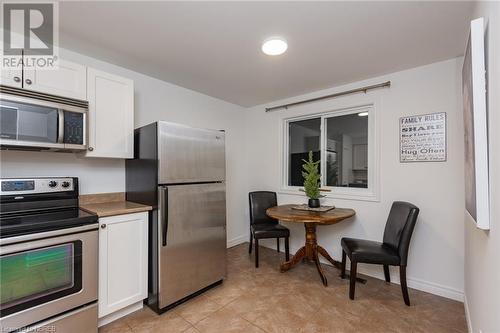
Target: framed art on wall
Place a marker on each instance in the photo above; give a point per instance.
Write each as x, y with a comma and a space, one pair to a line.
476, 127
422, 138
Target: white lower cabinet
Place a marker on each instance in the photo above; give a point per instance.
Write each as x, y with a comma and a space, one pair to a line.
123, 261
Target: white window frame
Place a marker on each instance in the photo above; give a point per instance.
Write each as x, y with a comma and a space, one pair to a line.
350, 193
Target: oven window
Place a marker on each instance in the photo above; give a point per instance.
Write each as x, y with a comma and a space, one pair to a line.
40, 275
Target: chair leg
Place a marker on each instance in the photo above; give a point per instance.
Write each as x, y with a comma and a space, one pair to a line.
352, 285
342, 272
287, 249
387, 274
256, 253
404, 287
278, 244
250, 246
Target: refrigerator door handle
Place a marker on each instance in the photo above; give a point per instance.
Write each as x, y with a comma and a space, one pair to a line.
164, 214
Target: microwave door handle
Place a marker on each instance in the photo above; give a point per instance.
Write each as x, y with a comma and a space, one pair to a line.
60, 126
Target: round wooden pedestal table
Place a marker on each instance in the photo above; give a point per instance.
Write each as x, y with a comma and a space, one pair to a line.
311, 219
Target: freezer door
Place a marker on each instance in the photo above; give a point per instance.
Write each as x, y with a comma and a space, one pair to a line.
192, 239
190, 155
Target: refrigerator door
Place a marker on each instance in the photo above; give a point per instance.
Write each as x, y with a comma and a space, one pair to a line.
190, 155
192, 239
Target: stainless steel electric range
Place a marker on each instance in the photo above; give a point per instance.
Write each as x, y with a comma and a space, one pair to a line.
48, 257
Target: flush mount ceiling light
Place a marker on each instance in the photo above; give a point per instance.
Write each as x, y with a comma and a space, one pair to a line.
363, 114
274, 46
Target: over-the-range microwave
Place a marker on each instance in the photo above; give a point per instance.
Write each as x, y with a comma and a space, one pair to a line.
37, 121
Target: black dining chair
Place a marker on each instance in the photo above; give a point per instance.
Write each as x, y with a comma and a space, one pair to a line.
393, 251
263, 226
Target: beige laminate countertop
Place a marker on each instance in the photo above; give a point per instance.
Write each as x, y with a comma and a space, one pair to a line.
110, 204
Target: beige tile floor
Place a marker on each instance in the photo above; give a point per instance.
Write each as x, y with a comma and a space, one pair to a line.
265, 300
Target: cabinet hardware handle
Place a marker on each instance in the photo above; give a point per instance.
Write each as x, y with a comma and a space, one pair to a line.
91, 148
16, 79
103, 226
28, 81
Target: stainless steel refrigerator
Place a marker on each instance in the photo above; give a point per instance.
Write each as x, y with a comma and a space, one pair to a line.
180, 171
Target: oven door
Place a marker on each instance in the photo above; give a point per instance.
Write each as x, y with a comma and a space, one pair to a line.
41, 278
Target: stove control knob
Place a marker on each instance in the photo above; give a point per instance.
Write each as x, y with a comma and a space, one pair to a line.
52, 183
65, 184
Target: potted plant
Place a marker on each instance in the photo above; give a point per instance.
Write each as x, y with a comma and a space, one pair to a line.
311, 180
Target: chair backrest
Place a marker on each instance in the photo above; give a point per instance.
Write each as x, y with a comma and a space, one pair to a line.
260, 201
399, 227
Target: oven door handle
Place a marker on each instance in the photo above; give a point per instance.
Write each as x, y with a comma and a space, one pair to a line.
60, 126
46, 234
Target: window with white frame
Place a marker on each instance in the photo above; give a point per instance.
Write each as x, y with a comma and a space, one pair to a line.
343, 142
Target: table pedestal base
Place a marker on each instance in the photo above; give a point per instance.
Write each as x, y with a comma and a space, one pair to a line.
311, 251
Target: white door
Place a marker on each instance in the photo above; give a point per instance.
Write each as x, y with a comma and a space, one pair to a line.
111, 115
360, 157
68, 80
123, 261
12, 77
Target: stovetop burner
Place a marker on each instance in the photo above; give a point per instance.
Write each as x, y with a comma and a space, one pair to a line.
40, 204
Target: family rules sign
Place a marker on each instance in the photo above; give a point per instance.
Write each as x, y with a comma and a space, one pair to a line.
422, 138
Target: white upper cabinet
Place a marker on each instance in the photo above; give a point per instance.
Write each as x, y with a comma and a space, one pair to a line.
111, 115
68, 80
11, 77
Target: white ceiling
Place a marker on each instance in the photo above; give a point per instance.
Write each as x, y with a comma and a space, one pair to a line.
214, 47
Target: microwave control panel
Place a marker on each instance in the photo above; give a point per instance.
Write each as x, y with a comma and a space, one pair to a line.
73, 128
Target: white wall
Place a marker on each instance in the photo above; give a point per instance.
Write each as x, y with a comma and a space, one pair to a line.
154, 100
482, 248
436, 254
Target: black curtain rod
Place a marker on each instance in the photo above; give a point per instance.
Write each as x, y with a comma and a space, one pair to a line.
343, 93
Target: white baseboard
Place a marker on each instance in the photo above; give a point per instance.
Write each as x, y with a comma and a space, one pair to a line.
119, 314
467, 314
237, 241
436, 289
427, 286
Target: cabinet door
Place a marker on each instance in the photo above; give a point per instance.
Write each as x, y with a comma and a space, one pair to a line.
360, 157
68, 80
123, 261
12, 77
111, 115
